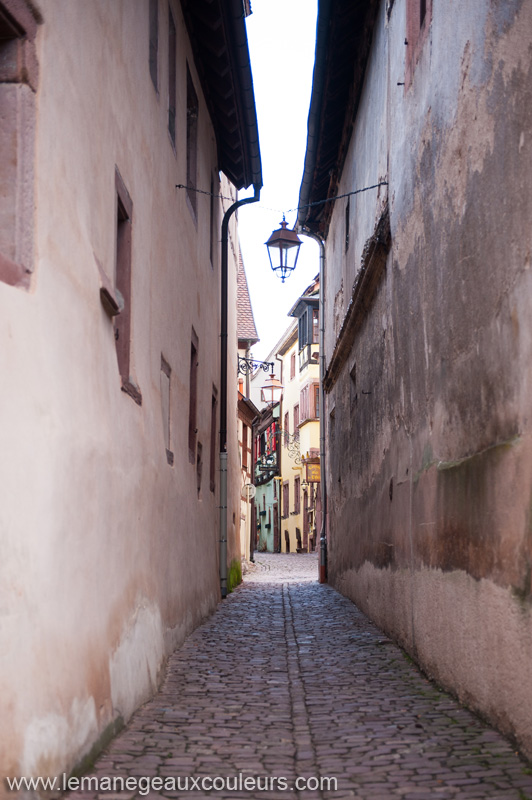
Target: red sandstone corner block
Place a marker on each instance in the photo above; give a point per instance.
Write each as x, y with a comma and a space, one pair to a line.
13, 274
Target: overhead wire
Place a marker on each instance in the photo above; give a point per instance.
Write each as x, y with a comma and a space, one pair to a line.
290, 210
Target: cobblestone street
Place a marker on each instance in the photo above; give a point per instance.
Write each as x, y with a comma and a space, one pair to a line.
289, 679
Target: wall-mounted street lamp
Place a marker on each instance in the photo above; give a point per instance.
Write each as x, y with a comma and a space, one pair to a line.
283, 250
272, 389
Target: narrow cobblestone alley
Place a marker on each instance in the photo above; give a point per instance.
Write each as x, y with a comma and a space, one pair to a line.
289, 680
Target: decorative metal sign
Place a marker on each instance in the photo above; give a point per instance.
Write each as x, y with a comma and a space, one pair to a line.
291, 441
313, 473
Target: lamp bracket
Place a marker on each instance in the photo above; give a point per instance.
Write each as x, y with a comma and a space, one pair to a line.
247, 365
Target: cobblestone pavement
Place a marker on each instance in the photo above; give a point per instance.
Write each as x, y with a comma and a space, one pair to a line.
289, 680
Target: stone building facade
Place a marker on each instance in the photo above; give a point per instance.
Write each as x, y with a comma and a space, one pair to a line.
428, 339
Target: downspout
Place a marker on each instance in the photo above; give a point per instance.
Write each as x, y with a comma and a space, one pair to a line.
313, 137
248, 350
223, 385
323, 483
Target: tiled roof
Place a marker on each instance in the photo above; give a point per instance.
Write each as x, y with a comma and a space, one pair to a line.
245, 322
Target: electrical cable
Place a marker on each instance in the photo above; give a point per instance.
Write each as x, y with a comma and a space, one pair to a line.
290, 210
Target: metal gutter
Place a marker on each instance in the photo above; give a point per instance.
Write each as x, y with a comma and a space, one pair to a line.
223, 385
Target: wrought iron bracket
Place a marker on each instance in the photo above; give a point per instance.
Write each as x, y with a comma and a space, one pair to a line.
247, 365
291, 441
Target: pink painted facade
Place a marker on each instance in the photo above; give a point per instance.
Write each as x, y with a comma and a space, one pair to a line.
109, 521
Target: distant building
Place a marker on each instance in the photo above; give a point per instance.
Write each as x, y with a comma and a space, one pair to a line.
291, 487
266, 479
248, 413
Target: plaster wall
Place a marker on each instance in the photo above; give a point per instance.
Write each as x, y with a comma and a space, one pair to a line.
289, 469
110, 554
430, 500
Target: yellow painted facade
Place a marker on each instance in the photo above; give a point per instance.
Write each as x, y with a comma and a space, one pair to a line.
300, 442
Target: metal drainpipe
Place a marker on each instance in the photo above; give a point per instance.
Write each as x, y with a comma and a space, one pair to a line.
223, 387
323, 484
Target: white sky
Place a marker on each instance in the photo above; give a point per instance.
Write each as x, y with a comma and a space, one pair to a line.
281, 36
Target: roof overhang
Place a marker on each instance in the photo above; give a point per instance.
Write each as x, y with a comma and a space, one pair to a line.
343, 40
303, 303
217, 32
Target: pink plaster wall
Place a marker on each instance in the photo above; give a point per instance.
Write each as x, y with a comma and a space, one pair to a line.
110, 553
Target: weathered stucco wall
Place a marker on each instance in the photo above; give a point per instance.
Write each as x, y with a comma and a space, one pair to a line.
109, 553
430, 501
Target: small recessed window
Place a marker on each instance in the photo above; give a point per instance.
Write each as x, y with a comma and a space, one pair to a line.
212, 465
122, 284
418, 18
244, 446
286, 500
172, 75
297, 495
165, 381
315, 326
316, 401
347, 223
199, 466
193, 398
154, 41
422, 12
211, 224
192, 142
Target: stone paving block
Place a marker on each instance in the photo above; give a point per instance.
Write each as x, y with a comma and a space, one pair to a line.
289, 679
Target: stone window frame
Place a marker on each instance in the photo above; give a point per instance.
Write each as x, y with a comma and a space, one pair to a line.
153, 52
286, 499
123, 286
166, 407
192, 145
297, 495
172, 77
193, 397
292, 366
214, 417
19, 74
116, 293
418, 20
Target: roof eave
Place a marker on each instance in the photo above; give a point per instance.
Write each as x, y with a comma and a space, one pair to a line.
343, 39
218, 37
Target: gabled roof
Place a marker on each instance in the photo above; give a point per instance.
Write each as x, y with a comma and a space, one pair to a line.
246, 330
217, 32
343, 40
